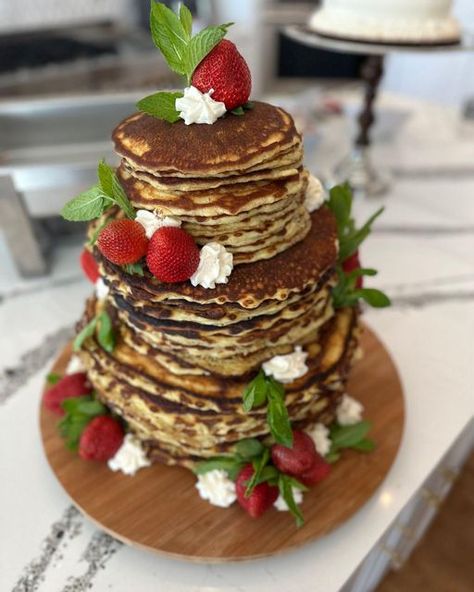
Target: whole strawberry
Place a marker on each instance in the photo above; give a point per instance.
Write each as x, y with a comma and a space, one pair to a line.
224, 70
262, 497
316, 473
351, 263
172, 256
297, 459
123, 242
101, 439
89, 266
71, 385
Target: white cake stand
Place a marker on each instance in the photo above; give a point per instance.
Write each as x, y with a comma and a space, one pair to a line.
357, 167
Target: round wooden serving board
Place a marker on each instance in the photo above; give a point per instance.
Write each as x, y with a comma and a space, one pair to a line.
159, 508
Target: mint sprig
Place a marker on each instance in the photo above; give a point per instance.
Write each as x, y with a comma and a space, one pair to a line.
351, 436
172, 35
183, 52
91, 204
53, 378
265, 389
245, 451
345, 293
105, 333
285, 485
79, 411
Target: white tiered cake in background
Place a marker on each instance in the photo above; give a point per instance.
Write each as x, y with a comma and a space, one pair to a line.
413, 22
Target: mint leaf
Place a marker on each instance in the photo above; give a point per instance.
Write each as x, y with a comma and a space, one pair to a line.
105, 335
134, 268
277, 417
350, 242
86, 332
258, 466
186, 19
332, 456
121, 199
169, 36
86, 206
365, 445
286, 491
53, 378
161, 105
255, 394
202, 44
105, 174
340, 203
79, 411
268, 474
374, 297
225, 463
348, 436
249, 448
92, 408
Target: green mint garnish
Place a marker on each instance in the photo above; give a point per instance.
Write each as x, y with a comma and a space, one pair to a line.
105, 333
95, 201
172, 35
285, 485
79, 411
265, 389
231, 465
345, 293
161, 105
134, 268
351, 436
53, 378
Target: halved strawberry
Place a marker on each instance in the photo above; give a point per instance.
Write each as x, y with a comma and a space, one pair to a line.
316, 473
123, 242
262, 497
71, 385
172, 256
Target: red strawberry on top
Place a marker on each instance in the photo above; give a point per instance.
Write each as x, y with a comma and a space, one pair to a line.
224, 70
123, 241
297, 459
71, 385
351, 263
101, 439
318, 472
172, 256
262, 497
89, 266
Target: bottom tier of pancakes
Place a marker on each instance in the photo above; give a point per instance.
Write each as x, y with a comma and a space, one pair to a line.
182, 418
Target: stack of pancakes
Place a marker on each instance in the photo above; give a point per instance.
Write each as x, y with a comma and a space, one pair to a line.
184, 354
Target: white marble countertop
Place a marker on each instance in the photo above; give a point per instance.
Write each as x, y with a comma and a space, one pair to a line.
424, 247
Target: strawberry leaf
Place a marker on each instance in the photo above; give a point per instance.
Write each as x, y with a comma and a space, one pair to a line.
238, 111
161, 105
134, 268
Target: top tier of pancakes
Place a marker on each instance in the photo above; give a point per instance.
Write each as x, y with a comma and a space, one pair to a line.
184, 353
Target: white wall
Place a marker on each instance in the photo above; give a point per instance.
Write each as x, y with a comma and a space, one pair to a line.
447, 77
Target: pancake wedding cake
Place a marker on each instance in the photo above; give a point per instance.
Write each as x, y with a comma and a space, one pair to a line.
228, 288
400, 22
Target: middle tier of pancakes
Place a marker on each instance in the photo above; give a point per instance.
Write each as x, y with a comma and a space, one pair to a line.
264, 309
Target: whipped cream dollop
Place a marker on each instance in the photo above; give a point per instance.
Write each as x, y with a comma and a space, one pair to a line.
288, 367
130, 457
216, 487
215, 266
101, 289
151, 221
349, 411
198, 107
320, 436
315, 195
75, 365
282, 506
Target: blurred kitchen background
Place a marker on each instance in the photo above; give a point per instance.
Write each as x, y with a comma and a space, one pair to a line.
71, 69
